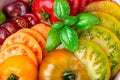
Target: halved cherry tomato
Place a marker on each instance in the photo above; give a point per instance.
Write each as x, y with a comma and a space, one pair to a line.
4, 33
11, 26
21, 21
18, 68
17, 49
32, 18
42, 28
28, 40
39, 38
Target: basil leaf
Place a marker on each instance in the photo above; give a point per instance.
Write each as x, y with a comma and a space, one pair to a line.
86, 20
53, 39
58, 25
61, 9
69, 38
71, 20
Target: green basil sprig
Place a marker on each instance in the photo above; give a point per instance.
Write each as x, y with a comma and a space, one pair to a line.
61, 9
69, 38
62, 32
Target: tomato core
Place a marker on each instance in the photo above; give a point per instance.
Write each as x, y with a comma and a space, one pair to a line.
12, 77
69, 76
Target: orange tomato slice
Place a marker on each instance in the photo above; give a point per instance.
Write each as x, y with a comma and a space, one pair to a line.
17, 49
43, 29
38, 37
28, 40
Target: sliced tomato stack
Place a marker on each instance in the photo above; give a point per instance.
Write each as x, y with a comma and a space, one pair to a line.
28, 42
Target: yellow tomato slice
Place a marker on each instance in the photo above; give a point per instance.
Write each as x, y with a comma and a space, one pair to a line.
17, 49
26, 39
104, 6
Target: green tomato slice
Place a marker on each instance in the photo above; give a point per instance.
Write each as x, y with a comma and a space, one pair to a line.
108, 41
108, 21
94, 59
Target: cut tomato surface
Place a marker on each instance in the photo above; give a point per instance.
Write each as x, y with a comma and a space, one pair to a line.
43, 29
26, 39
17, 49
38, 37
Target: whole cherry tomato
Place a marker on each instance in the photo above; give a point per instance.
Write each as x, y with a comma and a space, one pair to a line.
16, 8
45, 12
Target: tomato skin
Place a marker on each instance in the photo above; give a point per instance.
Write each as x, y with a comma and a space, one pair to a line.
74, 6
40, 7
57, 62
21, 66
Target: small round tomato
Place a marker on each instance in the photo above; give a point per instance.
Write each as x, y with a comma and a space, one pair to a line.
62, 65
18, 68
21, 21
4, 33
32, 18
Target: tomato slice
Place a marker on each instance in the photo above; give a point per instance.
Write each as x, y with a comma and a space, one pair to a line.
39, 38
43, 29
17, 49
28, 40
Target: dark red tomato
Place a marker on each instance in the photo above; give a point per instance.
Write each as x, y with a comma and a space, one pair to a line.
32, 18
16, 8
83, 3
21, 21
4, 33
89, 1
74, 6
44, 9
11, 26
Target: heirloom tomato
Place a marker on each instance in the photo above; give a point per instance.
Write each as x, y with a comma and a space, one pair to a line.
61, 64
18, 68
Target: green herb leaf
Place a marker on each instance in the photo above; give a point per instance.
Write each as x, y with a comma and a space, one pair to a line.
86, 20
71, 20
58, 25
53, 39
69, 38
62, 9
